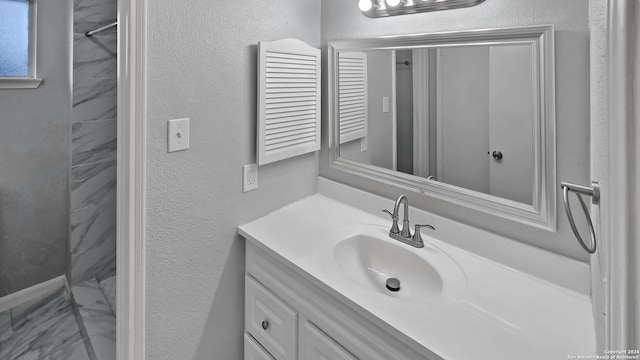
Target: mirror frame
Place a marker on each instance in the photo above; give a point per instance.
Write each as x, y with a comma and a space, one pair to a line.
540, 214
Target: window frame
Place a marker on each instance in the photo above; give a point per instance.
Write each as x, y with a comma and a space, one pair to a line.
31, 81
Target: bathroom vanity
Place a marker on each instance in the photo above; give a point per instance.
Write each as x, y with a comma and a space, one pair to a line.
315, 288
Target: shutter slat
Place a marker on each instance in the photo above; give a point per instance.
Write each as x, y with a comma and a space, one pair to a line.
299, 116
290, 99
272, 117
291, 109
284, 144
287, 135
292, 66
286, 95
352, 95
290, 56
291, 124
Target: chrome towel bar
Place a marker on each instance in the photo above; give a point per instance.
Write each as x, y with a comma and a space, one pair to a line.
101, 29
594, 192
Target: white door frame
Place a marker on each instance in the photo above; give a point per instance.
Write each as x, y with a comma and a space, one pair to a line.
394, 111
130, 241
621, 197
420, 59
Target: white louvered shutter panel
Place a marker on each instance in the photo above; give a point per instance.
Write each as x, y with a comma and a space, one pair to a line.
352, 92
288, 100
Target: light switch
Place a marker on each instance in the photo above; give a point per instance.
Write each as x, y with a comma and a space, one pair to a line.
178, 134
385, 104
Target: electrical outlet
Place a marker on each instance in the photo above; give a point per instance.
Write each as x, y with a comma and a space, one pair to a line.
385, 104
250, 177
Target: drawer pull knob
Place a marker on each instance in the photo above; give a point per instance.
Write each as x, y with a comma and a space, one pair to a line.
265, 324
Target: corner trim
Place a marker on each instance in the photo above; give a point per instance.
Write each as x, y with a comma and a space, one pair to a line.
131, 195
621, 194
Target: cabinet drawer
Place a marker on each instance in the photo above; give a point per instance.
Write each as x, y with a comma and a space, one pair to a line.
318, 346
253, 350
270, 321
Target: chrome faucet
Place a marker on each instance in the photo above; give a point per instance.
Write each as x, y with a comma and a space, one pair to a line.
404, 235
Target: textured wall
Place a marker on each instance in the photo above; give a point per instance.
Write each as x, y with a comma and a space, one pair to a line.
34, 160
93, 144
202, 65
341, 20
599, 158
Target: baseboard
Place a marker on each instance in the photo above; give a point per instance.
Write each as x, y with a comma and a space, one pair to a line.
33, 292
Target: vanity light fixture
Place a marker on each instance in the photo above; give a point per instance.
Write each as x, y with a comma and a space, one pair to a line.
382, 8
365, 5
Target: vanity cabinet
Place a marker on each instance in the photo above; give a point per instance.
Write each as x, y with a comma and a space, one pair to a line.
289, 315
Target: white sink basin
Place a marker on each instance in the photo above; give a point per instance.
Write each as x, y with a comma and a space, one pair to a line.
369, 257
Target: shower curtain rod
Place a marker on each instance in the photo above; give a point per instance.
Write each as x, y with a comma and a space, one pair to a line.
101, 29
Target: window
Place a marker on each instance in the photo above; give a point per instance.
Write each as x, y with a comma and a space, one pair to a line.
17, 44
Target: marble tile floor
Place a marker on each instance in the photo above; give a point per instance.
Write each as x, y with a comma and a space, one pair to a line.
98, 318
44, 328
76, 325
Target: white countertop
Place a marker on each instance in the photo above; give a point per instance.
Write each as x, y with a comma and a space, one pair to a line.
503, 313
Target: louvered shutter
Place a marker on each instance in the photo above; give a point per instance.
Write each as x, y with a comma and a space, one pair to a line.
288, 100
352, 92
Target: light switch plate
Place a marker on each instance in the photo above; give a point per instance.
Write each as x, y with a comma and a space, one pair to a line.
385, 104
178, 134
249, 177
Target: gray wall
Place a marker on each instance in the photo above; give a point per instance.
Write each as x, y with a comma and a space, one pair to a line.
34, 149
341, 20
93, 147
202, 65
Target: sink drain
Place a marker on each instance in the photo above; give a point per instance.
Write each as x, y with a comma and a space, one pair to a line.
393, 284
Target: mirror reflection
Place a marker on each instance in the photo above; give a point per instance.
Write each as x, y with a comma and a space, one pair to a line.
462, 115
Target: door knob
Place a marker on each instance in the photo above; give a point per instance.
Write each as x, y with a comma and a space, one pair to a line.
497, 155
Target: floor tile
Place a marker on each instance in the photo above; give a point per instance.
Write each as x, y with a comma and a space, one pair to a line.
6, 330
45, 329
98, 319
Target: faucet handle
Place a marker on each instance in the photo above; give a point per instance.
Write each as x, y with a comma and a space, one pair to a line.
393, 216
394, 227
417, 237
418, 227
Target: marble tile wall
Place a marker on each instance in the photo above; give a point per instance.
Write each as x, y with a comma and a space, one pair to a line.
93, 146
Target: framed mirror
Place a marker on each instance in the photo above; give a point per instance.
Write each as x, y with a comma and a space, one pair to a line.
468, 117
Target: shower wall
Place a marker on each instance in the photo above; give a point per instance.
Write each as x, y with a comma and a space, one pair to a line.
93, 146
34, 146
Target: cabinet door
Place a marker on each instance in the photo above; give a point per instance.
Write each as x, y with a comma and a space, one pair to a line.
270, 321
318, 346
253, 350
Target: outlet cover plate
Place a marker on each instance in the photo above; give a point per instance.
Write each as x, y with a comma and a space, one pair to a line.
250, 177
178, 134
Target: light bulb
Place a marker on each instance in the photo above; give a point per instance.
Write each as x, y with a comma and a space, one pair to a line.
393, 3
365, 5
